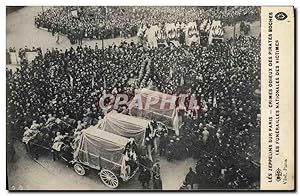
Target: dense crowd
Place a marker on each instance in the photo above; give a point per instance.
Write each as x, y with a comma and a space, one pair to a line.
67, 85
225, 76
111, 22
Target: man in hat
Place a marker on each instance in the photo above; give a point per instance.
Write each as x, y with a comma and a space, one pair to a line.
35, 125
190, 178
145, 177
51, 120
170, 150
157, 183
156, 169
205, 135
144, 160
28, 136
163, 144
184, 186
57, 145
178, 149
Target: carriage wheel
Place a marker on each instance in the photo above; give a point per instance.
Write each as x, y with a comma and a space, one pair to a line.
109, 178
79, 169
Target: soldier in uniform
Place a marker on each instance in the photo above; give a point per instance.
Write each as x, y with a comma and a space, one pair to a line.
170, 150
157, 183
145, 177
57, 145
163, 144
28, 136
190, 178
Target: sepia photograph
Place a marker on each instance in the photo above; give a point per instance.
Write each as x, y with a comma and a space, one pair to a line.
147, 98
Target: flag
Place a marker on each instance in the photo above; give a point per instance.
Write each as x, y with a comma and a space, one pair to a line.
71, 80
104, 82
215, 101
216, 31
192, 33
171, 72
93, 79
204, 106
181, 80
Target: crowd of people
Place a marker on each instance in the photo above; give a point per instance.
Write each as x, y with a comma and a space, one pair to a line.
225, 76
65, 86
112, 22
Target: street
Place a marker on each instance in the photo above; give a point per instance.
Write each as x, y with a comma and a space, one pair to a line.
26, 173
21, 32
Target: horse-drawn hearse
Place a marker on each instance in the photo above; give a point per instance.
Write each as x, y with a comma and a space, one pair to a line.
146, 133
163, 111
114, 157
112, 148
132, 127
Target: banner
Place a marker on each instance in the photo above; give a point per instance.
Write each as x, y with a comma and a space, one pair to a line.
216, 31
170, 31
74, 13
151, 36
192, 33
205, 25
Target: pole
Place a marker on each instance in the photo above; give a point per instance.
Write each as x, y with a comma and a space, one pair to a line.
102, 39
234, 27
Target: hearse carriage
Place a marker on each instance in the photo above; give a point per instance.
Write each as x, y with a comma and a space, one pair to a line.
113, 156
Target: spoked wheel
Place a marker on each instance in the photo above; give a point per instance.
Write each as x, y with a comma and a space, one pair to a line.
109, 178
79, 169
